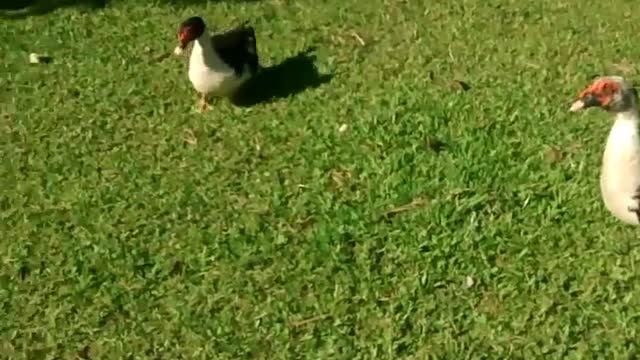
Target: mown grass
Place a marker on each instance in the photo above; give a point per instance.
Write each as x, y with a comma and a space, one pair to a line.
133, 227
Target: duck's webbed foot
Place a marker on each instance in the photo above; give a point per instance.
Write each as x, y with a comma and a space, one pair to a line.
203, 104
636, 208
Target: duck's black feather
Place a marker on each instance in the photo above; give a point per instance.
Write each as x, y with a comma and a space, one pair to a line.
237, 48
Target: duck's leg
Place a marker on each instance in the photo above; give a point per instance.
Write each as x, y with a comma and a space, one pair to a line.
635, 209
203, 104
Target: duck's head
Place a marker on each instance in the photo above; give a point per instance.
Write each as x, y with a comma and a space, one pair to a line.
611, 93
189, 30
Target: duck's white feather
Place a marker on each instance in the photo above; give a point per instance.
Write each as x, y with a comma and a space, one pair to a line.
620, 176
209, 74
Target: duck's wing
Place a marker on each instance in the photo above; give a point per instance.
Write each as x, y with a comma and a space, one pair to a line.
237, 48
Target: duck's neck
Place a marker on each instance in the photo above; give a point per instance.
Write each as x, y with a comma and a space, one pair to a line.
627, 120
624, 133
203, 50
204, 42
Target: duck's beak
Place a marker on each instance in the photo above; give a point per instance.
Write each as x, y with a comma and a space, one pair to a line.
576, 106
182, 42
586, 101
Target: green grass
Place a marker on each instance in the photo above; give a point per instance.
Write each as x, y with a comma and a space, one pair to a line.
132, 227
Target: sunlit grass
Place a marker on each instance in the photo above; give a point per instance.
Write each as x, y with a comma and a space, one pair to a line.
439, 222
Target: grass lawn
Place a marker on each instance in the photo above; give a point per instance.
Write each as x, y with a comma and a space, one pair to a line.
446, 222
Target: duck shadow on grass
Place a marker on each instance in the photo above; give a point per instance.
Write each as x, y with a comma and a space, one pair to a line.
290, 77
18, 9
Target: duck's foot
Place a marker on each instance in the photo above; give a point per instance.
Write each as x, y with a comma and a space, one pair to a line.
635, 210
203, 104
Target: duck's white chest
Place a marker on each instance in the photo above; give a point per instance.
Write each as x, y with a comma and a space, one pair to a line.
620, 176
210, 75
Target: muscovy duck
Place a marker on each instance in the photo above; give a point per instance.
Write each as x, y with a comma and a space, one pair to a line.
218, 64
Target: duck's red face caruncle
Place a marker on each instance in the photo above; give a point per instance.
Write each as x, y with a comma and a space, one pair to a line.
611, 93
189, 30
601, 93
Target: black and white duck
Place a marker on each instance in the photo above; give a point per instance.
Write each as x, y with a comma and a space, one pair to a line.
220, 64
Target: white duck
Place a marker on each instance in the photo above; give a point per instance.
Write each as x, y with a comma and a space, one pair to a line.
218, 64
620, 174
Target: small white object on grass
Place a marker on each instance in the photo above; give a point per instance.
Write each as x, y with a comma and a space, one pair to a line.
39, 59
343, 128
178, 50
34, 58
469, 282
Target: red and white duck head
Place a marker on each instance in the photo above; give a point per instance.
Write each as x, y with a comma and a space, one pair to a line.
189, 30
611, 93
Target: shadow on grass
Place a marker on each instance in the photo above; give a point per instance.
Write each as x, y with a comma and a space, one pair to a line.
23, 8
18, 9
292, 76
194, 2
